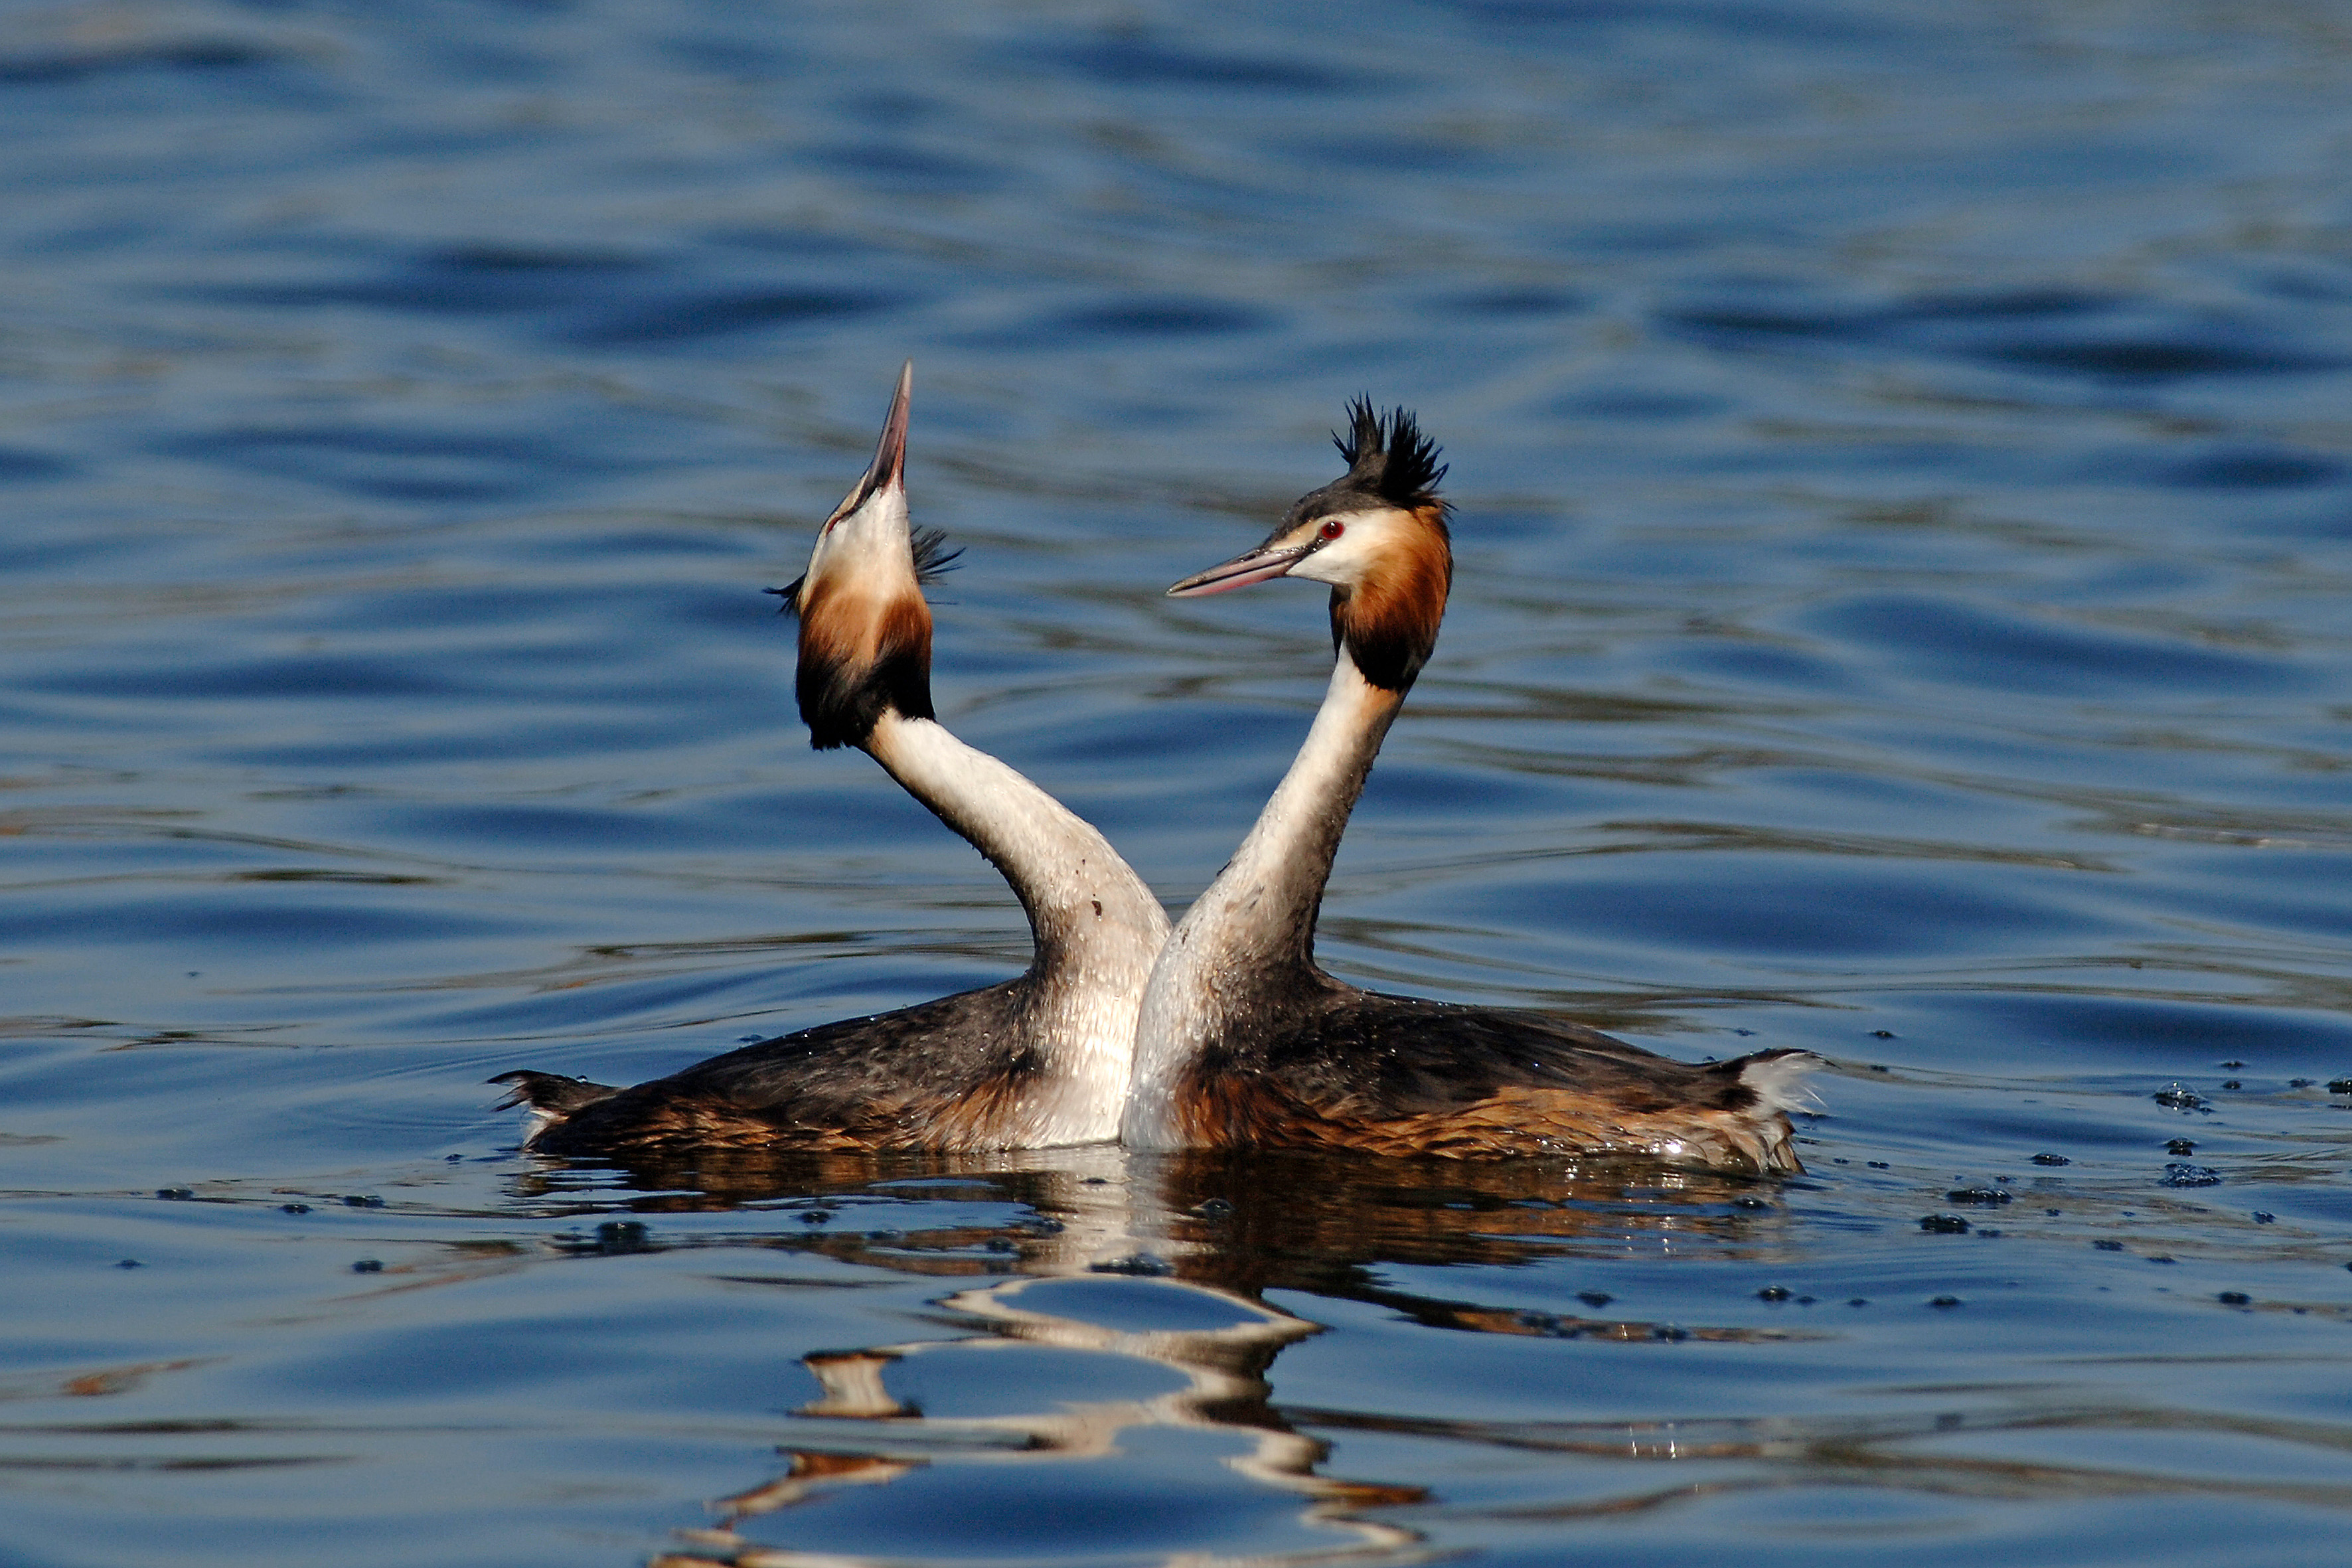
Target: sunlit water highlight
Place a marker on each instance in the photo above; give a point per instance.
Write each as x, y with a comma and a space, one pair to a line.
1904, 533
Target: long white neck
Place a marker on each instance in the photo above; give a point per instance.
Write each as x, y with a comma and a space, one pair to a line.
1096, 926
1252, 935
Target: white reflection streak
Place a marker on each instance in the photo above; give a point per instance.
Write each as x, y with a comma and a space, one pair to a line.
1223, 1368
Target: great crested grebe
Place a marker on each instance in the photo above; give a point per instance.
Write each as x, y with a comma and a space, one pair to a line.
1244, 1042
1039, 1060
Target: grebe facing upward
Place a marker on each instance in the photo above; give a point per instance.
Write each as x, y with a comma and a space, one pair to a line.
1040, 1060
1244, 1042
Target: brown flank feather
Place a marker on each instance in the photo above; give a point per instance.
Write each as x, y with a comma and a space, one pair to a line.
681, 1122
1223, 1110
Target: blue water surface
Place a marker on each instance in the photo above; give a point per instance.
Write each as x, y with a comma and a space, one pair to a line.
1904, 530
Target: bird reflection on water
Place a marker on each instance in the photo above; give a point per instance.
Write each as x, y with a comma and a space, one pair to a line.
1180, 1251
1224, 1386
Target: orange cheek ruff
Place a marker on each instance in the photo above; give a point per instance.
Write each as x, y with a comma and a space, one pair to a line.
857, 630
859, 657
1389, 621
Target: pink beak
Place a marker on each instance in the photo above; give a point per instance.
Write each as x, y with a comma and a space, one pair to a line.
1252, 566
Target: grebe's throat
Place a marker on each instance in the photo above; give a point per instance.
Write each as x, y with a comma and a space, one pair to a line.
1077, 891
1253, 933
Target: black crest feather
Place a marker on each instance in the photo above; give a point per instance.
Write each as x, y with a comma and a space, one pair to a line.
1364, 434
1388, 456
933, 557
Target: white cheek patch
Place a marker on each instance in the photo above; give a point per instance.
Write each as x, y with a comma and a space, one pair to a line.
1344, 561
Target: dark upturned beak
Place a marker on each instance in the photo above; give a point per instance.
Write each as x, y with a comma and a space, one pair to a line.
888, 470
1252, 566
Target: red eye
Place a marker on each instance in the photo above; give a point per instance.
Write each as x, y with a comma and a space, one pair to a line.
1333, 528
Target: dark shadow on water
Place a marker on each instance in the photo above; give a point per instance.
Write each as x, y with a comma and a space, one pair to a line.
1247, 1222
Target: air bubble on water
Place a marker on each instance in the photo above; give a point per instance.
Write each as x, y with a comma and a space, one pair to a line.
616, 1238
1142, 1265
1984, 1197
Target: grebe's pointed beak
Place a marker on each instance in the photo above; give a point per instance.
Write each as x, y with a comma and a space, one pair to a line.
890, 468
1259, 565
887, 472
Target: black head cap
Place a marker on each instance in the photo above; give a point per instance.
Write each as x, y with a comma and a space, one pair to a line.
1390, 463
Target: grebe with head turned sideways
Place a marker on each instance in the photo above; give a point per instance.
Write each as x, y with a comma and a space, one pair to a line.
1039, 1060
1244, 1042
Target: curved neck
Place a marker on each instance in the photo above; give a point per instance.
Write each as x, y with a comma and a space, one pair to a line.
1260, 911
1253, 933
1098, 928
1095, 924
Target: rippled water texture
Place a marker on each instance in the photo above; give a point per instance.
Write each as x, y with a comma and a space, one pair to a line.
1905, 522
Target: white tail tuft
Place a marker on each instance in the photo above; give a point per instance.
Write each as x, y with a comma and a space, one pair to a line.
1780, 1082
